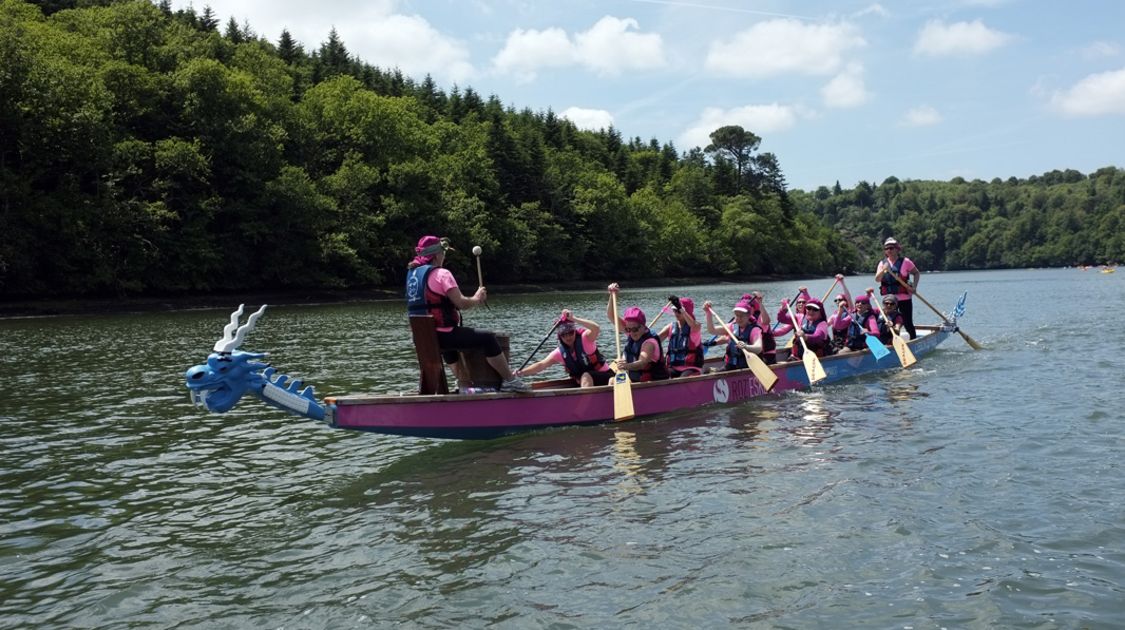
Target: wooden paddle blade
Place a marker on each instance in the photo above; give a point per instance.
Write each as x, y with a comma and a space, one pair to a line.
905, 356
622, 397
813, 367
761, 371
969, 340
877, 348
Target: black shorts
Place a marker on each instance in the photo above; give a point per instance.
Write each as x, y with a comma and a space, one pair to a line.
461, 338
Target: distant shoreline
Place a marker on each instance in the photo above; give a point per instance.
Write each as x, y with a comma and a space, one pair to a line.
51, 307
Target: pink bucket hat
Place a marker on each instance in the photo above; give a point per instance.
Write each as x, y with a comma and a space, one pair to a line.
634, 314
427, 247
688, 305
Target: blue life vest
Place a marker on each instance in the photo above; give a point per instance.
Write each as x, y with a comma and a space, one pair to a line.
421, 300
857, 335
655, 370
819, 348
888, 285
735, 359
680, 351
578, 362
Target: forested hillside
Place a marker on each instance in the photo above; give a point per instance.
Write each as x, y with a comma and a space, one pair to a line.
151, 151
1057, 219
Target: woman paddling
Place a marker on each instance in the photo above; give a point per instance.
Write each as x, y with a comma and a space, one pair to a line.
747, 335
814, 329
644, 358
685, 339
577, 352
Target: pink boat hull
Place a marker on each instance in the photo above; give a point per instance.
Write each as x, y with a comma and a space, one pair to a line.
483, 416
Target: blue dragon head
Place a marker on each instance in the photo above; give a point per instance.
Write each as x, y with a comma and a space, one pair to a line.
221, 382
229, 373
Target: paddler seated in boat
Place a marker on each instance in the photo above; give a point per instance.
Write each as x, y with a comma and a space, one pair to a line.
893, 324
747, 335
840, 321
644, 357
814, 329
685, 339
432, 290
577, 352
785, 323
864, 322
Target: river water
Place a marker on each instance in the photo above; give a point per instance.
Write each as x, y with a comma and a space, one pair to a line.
976, 490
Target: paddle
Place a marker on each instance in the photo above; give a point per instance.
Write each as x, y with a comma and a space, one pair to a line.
761, 371
905, 356
622, 388
873, 344
480, 276
813, 368
652, 326
533, 352
969, 340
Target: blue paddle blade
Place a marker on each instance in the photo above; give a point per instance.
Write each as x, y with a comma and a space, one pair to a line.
877, 349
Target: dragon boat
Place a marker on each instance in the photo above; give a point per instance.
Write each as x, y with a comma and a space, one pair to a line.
229, 373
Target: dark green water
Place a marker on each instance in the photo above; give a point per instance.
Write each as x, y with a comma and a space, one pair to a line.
978, 490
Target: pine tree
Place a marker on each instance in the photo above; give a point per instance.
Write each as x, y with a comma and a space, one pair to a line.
286, 47
208, 21
233, 32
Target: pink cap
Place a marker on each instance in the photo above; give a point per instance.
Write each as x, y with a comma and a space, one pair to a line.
743, 306
634, 314
815, 304
804, 295
688, 305
864, 298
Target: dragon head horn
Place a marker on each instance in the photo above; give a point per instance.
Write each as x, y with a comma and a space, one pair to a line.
233, 334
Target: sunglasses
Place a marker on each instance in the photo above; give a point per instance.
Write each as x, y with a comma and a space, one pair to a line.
840, 301
887, 249
629, 329
571, 332
888, 304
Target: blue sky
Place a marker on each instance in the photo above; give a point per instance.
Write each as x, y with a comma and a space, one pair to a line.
839, 91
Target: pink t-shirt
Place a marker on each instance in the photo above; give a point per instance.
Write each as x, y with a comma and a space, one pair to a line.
440, 282
588, 347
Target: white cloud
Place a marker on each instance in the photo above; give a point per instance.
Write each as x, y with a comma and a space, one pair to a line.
372, 32
777, 47
1095, 95
610, 47
846, 89
938, 39
591, 119
873, 9
408, 42
526, 51
921, 116
759, 119
1100, 50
